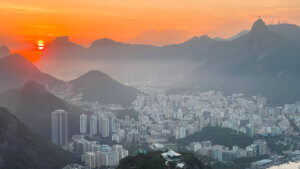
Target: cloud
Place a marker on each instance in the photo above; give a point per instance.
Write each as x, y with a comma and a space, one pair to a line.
160, 38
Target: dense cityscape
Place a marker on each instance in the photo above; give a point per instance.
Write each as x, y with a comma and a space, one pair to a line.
137, 84
161, 119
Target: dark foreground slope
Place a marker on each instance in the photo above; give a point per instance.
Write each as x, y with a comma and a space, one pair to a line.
154, 160
33, 105
22, 149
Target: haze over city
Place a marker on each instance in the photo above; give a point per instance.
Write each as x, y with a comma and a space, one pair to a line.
141, 84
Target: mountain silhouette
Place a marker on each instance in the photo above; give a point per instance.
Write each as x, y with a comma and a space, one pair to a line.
259, 62
249, 62
96, 86
33, 105
4, 51
16, 70
289, 31
64, 48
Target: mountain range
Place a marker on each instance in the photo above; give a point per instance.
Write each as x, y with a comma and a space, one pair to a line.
16, 70
261, 62
30, 94
21, 148
108, 49
134, 62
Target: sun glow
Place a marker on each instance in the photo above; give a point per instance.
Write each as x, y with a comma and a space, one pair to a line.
41, 45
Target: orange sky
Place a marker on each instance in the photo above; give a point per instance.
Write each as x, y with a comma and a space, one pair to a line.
158, 22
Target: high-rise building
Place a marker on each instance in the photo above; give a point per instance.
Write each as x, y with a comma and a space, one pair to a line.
262, 100
115, 137
59, 122
250, 130
113, 158
101, 159
104, 127
90, 159
112, 120
262, 147
93, 124
83, 123
182, 132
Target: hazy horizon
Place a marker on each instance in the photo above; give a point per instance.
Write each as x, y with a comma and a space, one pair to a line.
134, 20
140, 84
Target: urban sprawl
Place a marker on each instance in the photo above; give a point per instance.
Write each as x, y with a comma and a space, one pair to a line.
162, 118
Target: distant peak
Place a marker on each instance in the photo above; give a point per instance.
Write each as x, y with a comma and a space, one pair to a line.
95, 73
259, 25
107, 39
61, 40
91, 75
196, 39
204, 37
3, 47
4, 51
105, 42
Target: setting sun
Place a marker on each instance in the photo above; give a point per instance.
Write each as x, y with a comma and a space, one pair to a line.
41, 45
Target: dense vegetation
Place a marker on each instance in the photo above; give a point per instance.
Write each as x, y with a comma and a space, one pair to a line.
26, 150
218, 135
153, 160
277, 145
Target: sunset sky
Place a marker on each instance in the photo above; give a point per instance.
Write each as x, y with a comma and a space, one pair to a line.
158, 22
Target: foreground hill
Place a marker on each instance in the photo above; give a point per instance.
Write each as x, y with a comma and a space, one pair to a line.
22, 149
96, 86
260, 62
218, 135
33, 105
16, 70
154, 160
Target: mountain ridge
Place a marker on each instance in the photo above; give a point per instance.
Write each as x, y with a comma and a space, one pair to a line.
256, 64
